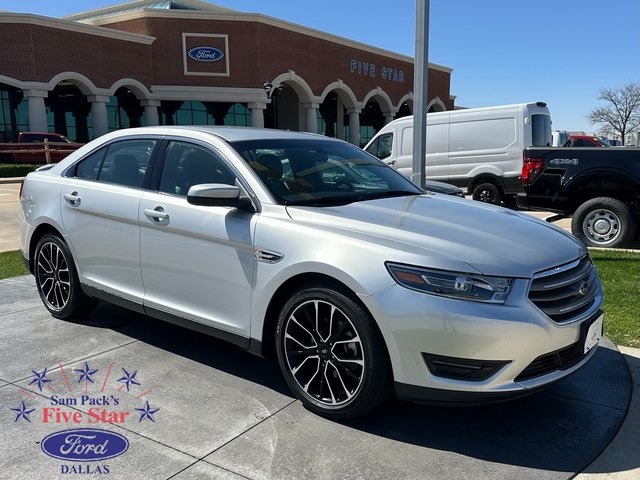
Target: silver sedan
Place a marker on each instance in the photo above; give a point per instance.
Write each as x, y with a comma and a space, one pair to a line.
360, 289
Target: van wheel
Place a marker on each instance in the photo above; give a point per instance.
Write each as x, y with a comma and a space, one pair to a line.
488, 193
603, 222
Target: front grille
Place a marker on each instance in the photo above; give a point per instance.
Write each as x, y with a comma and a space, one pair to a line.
550, 362
566, 292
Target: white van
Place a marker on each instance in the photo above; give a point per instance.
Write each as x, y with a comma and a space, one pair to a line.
479, 149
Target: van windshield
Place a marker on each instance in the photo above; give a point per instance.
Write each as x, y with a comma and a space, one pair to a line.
540, 130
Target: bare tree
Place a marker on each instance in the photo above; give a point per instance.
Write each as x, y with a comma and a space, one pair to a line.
622, 110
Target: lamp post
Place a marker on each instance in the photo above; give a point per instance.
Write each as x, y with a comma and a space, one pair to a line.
273, 92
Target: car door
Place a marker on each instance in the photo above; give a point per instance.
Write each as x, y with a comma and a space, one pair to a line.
197, 262
99, 207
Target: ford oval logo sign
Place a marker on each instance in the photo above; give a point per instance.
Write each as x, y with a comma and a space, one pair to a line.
205, 54
84, 445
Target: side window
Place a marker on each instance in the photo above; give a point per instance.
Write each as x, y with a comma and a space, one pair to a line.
381, 146
89, 167
126, 162
186, 164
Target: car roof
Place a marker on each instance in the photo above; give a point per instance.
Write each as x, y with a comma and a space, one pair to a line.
228, 133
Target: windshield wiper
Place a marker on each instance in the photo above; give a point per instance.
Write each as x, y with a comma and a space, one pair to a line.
388, 194
326, 201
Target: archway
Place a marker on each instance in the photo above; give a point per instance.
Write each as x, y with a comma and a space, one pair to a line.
124, 110
69, 112
14, 113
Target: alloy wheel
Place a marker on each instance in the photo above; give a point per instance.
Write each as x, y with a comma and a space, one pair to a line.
324, 352
53, 276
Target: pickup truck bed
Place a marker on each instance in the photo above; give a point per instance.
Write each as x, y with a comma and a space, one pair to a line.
599, 187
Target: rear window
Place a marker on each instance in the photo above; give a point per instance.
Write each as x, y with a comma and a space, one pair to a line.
540, 130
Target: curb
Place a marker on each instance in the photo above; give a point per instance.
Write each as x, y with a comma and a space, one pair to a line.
11, 180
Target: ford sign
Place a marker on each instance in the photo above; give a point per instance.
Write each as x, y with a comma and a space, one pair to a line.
205, 54
84, 445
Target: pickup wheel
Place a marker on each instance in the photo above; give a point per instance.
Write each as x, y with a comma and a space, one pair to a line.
604, 222
488, 193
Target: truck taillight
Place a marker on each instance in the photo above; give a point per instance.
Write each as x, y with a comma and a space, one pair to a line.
530, 169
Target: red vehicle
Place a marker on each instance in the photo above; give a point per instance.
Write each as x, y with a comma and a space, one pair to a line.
30, 148
586, 141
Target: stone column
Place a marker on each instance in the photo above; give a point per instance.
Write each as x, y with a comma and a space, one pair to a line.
99, 113
151, 117
354, 126
388, 116
257, 113
311, 117
37, 109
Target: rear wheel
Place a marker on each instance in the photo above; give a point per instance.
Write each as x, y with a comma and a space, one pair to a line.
604, 222
488, 193
331, 354
57, 279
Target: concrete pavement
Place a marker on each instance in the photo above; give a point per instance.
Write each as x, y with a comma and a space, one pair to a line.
192, 407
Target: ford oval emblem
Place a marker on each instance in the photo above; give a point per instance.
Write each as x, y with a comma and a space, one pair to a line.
84, 445
206, 54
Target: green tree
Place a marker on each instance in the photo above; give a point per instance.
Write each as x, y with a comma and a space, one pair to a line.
621, 112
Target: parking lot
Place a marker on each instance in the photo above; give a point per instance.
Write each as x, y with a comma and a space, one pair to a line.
195, 407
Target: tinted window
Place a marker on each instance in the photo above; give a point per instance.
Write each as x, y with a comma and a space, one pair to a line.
126, 162
89, 167
381, 146
321, 172
187, 164
540, 130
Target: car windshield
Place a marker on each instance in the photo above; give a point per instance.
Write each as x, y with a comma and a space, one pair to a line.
321, 172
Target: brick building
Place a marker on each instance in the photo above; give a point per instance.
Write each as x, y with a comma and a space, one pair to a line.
190, 62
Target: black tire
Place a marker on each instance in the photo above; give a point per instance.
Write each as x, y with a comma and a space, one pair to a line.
604, 222
331, 354
57, 279
488, 193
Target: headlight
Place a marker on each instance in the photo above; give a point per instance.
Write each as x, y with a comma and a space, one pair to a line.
459, 285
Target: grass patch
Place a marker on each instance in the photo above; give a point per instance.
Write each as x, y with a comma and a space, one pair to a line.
11, 264
619, 272
16, 170
620, 275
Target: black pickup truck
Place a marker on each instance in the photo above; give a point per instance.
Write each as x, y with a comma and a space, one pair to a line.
599, 187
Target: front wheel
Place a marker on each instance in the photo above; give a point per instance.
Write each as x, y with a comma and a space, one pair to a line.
488, 193
57, 279
331, 354
604, 222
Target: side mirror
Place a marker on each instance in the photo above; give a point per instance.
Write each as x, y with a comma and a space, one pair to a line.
218, 195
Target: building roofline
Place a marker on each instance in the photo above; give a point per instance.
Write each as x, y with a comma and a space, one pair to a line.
236, 16
31, 19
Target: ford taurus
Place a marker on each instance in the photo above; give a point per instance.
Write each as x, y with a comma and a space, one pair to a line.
361, 290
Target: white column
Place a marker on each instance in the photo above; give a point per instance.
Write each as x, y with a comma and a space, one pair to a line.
37, 109
99, 114
388, 116
257, 113
151, 117
354, 126
311, 117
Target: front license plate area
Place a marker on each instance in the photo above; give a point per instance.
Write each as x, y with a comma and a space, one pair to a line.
593, 333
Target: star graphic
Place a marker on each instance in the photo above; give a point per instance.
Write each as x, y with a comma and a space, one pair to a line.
24, 413
86, 373
129, 379
146, 412
40, 378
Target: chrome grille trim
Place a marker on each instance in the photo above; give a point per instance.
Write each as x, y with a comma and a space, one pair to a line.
568, 292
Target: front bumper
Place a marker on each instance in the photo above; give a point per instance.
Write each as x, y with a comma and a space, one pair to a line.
512, 336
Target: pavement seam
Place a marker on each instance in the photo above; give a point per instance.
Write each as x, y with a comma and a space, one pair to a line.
231, 440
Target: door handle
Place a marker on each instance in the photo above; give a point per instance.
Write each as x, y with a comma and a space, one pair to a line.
157, 214
72, 199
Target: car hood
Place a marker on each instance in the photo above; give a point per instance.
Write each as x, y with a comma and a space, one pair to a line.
448, 232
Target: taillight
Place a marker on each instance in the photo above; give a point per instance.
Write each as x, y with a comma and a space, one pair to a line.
530, 169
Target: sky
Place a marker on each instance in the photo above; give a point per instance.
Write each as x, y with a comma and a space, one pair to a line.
561, 52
